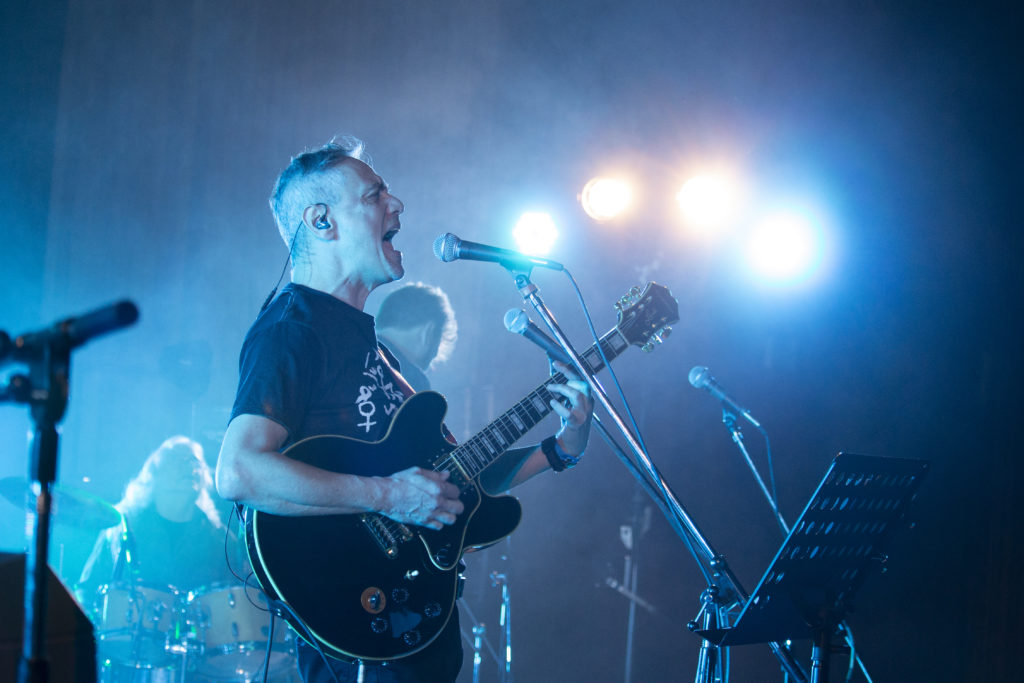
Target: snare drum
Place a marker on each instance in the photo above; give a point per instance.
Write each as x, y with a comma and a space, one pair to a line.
232, 633
138, 625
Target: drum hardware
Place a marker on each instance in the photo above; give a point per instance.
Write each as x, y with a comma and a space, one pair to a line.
138, 626
228, 634
71, 507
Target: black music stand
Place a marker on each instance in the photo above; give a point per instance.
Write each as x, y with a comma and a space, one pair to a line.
808, 589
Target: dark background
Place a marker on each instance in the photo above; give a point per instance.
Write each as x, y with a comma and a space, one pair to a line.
140, 141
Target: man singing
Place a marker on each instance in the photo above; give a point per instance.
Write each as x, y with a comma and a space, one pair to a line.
311, 365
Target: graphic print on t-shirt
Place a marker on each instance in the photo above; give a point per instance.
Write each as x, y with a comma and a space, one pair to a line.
377, 392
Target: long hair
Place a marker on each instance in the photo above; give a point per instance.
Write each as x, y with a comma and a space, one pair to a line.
138, 494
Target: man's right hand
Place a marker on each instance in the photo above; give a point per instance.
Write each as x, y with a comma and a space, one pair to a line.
421, 497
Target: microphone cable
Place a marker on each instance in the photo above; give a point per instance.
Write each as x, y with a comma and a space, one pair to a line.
607, 363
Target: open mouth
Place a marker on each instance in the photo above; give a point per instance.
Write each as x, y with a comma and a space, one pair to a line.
390, 234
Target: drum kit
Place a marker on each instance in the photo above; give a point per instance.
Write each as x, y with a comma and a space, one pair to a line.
159, 634
148, 634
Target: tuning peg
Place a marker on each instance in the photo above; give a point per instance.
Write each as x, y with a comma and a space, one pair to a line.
656, 338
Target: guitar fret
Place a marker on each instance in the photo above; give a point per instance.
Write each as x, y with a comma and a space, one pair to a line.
478, 450
508, 433
470, 463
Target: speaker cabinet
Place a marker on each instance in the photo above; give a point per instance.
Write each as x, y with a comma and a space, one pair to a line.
70, 647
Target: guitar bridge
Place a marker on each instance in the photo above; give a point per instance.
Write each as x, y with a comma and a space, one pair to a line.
387, 533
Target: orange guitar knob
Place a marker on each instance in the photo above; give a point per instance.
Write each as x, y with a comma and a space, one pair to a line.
373, 600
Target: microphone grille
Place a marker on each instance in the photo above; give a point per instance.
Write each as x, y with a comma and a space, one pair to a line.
699, 376
516, 320
446, 247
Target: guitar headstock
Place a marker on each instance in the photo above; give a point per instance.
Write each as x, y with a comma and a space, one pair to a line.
645, 315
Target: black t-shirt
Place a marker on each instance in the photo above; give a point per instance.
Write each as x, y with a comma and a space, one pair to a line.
312, 364
187, 556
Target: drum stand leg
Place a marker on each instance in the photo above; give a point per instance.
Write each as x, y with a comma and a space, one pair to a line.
505, 621
478, 635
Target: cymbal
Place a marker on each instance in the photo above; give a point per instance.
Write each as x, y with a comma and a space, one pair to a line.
71, 507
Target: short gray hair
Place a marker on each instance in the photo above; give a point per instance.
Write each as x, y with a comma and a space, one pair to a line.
418, 303
304, 182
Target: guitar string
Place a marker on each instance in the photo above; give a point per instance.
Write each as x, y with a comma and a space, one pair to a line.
504, 430
512, 432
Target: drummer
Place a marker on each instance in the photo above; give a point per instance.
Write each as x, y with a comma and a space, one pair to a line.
172, 531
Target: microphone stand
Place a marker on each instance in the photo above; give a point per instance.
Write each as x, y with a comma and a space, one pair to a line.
45, 390
729, 419
725, 589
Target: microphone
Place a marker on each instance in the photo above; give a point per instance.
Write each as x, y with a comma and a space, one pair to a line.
448, 247
700, 378
517, 321
72, 332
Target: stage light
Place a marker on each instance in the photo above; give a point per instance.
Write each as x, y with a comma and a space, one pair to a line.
535, 233
708, 201
786, 246
606, 198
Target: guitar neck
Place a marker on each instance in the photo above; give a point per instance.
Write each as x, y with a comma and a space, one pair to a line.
477, 453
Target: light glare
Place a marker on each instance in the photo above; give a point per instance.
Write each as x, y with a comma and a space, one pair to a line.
786, 247
606, 198
708, 201
535, 233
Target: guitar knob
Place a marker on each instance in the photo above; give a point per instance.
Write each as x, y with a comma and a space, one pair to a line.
399, 595
379, 625
432, 610
373, 600
411, 638
443, 554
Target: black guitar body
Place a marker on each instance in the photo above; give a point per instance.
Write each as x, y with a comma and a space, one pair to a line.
365, 586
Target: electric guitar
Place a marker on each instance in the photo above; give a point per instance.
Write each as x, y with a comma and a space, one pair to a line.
363, 586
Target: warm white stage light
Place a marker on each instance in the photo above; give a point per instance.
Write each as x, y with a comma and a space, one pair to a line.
535, 233
708, 201
606, 198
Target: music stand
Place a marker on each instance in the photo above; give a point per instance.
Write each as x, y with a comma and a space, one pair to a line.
847, 525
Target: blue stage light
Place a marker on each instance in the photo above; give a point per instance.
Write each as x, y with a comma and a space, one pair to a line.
535, 233
787, 246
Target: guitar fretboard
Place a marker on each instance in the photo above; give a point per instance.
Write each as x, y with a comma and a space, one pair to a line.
482, 449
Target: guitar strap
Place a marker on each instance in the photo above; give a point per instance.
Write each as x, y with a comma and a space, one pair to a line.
390, 361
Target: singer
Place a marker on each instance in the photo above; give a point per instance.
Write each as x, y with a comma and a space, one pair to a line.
311, 365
